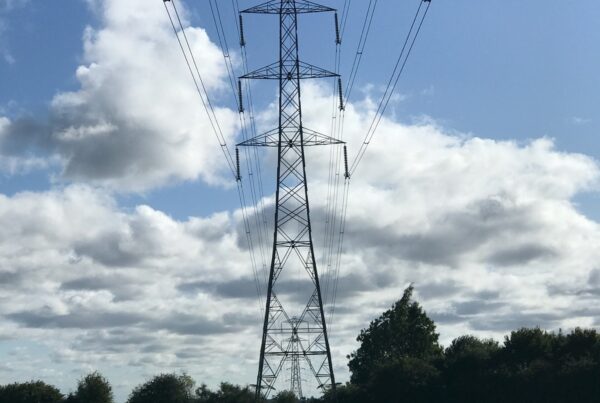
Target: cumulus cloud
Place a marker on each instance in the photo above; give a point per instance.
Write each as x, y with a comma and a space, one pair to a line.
135, 122
95, 269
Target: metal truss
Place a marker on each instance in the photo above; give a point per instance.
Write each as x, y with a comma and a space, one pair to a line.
309, 138
273, 72
300, 341
299, 7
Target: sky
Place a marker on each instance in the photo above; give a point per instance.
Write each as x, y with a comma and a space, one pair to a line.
122, 240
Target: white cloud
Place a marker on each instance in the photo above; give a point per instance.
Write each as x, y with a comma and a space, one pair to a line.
136, 122
95, 271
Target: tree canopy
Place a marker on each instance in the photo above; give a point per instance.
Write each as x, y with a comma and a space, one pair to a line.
30, 392
92, 388
164, 388
402, 332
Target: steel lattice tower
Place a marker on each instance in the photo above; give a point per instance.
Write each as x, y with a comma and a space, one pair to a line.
302, 338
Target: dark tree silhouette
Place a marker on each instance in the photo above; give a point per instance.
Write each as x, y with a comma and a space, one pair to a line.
404, 331
227, 393
164, 388
285, 397
93, 388
348, 393
30, 392
467, 369
407, 379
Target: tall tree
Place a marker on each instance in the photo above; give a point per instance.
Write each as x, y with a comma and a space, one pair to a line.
404, 331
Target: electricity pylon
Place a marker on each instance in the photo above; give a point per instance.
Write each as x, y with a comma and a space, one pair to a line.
301, 338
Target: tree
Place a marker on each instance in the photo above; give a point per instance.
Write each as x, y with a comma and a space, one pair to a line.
164, 388
93, 388
348, 393
285, 396
468, 364
404, 331
408, 379
30, 392
227, 393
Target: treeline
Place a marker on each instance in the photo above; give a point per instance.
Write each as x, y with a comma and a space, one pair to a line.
399, 359
163, 388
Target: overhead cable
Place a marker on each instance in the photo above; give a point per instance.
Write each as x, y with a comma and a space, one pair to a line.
393, 81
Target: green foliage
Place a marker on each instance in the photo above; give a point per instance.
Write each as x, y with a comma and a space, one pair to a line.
404, 331
348, 393
399, 359
285, 397
227, 393
407, 379
468, 363
30, 392
93, 388
164, 388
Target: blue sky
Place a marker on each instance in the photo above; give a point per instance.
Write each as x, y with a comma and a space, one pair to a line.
481, 186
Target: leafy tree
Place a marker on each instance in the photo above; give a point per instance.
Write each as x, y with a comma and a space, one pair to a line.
579, 356
404, 331
30, 392
93, 388
582, 343
527, 347
164, 388
468, 363
408, 379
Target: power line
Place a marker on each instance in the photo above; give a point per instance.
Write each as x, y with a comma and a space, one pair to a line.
201, 89
366, 28
202, 92
392, 83
222, 38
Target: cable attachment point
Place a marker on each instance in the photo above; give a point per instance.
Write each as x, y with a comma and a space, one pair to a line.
240, 97
347, 173
338, 40
341, 94
238, 176
242, 39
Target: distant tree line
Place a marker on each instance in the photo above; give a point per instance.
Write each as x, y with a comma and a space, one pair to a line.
399, 360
